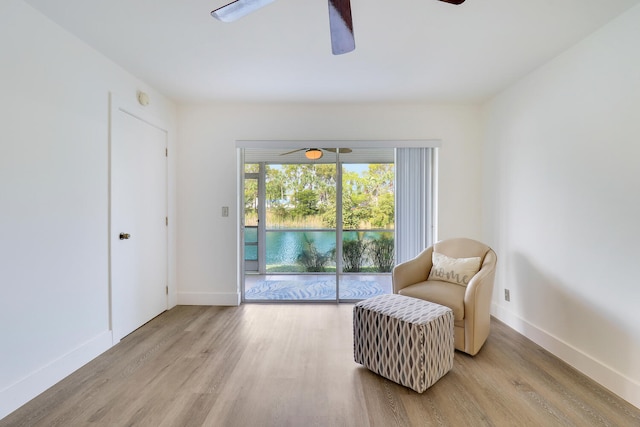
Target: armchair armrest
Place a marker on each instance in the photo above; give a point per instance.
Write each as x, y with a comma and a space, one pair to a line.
415, 270
477, 304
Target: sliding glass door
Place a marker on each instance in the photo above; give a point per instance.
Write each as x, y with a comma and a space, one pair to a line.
300, 242
327, 225
368, 217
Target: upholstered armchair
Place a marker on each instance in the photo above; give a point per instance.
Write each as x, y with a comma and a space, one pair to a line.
454, 283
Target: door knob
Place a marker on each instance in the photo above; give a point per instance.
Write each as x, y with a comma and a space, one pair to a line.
124, 236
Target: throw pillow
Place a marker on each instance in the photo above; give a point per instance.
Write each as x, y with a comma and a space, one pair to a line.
453, 270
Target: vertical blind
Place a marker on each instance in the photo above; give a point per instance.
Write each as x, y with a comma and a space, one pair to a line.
415, 210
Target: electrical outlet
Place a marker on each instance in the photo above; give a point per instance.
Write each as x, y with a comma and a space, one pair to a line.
225, 211
507, 295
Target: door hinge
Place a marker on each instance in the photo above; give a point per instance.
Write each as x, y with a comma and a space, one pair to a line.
166, 152
166, 221
166, 290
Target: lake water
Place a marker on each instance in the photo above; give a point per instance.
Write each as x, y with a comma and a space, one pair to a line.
283, 247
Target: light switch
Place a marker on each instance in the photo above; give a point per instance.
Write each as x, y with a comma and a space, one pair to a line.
225, 211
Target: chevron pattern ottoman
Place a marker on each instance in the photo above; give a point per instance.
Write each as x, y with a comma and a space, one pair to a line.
404, 339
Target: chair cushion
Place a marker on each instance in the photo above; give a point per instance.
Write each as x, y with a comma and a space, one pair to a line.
453, 270
442, 293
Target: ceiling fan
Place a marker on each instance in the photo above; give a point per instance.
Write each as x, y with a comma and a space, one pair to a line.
340, 22
316, 153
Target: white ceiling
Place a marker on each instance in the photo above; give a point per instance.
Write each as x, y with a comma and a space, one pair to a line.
406, 50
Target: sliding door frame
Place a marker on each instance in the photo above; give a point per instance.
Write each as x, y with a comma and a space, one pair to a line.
241, 145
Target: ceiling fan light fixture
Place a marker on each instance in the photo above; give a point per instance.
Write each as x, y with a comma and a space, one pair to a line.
237, 9
313, 153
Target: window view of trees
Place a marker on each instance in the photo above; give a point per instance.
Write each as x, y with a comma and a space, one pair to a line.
303, 197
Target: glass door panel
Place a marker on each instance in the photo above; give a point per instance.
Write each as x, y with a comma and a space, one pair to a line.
300, 234
367, 229
318, 230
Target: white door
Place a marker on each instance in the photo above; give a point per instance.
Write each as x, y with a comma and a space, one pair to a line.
138, 228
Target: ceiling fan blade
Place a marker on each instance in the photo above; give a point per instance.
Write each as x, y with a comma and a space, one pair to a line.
342, 150
237, 9
453, 1
294, 151
341, 27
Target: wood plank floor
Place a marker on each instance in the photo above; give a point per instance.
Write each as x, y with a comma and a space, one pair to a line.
292, 365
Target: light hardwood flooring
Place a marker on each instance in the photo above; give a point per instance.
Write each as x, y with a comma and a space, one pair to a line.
292, 365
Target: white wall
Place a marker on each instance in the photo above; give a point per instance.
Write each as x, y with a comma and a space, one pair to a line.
54, 289
207, 262
562, 191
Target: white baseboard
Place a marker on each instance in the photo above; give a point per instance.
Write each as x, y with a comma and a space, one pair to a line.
209, 298
25, 389
606, 376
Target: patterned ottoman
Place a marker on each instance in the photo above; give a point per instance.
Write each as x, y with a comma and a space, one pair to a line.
404, 339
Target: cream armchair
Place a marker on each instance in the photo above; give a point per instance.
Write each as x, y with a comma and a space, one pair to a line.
470, 303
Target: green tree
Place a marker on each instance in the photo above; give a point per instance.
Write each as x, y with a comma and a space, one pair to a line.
325, 185
251, 167
382, 214
355, 210
276, 193
276, 186
356, 204
303, 190
379, 180
305, 203
250, 196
